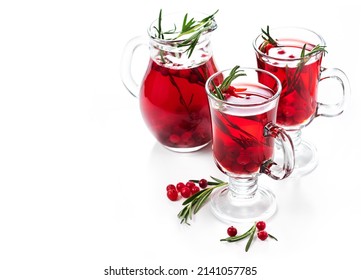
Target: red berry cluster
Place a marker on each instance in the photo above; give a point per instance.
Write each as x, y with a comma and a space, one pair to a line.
262, 234
185, 190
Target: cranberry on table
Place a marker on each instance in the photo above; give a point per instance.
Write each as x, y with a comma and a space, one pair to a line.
190, 184
261, 225
203, 183
194, 189
170, 187
232, 231
185, 192
180, 186
262, 235
172, 194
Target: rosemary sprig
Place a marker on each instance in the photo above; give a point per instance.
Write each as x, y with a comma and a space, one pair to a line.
307, 56
304, 58
190, 27
266, 36
233, 74
194, 203
196, 28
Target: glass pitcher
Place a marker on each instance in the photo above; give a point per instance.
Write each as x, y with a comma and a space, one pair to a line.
172, 95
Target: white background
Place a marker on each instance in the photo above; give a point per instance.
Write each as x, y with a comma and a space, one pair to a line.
82, 180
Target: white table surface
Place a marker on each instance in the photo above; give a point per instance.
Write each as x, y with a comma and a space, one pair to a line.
82, 180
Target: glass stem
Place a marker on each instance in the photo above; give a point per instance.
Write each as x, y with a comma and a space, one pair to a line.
242, 188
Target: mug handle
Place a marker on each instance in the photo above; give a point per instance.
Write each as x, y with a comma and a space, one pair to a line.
126, 64
333, 110
270, 167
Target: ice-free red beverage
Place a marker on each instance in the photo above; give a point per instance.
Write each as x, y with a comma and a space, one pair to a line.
174, 104
240, 145
299, 78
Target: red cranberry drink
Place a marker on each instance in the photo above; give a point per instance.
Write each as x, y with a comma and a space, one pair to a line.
172, 96
184, 121
298, 102
239, 143
243, 112
295, 56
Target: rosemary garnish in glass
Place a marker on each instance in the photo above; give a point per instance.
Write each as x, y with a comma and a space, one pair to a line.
304, 58
219, 91
194, 203
193, 28
268, 40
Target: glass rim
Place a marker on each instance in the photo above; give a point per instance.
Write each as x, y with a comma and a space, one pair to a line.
177, 41
256, 48
267, 101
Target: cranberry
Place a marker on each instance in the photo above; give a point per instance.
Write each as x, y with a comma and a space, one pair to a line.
267, 47
262, 235
172, 194
185, 192
261, 225
190, 184
180, 186
232, 231
194, 189
174, 138
203, 183
170, 187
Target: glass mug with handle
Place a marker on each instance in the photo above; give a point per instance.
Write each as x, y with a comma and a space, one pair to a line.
172, 97
243, 113
295, 55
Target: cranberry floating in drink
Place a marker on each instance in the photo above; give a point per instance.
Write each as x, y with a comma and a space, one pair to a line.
172, 95
295, 55
243, 112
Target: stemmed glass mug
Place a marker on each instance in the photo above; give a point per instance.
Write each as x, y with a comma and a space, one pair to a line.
294, 55
244, 134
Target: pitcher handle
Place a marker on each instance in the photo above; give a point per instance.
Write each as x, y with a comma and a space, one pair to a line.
126, 64
333, 110
271, 168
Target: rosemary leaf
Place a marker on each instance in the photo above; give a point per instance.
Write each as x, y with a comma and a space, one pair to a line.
199, 203
270, 235
251, 235
193, 197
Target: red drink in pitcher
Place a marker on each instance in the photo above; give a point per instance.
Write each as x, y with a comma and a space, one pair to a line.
175, 106
299, 80
239, 143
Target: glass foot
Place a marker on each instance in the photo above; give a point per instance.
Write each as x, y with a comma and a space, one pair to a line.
305, 159
230, 208
305, 155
